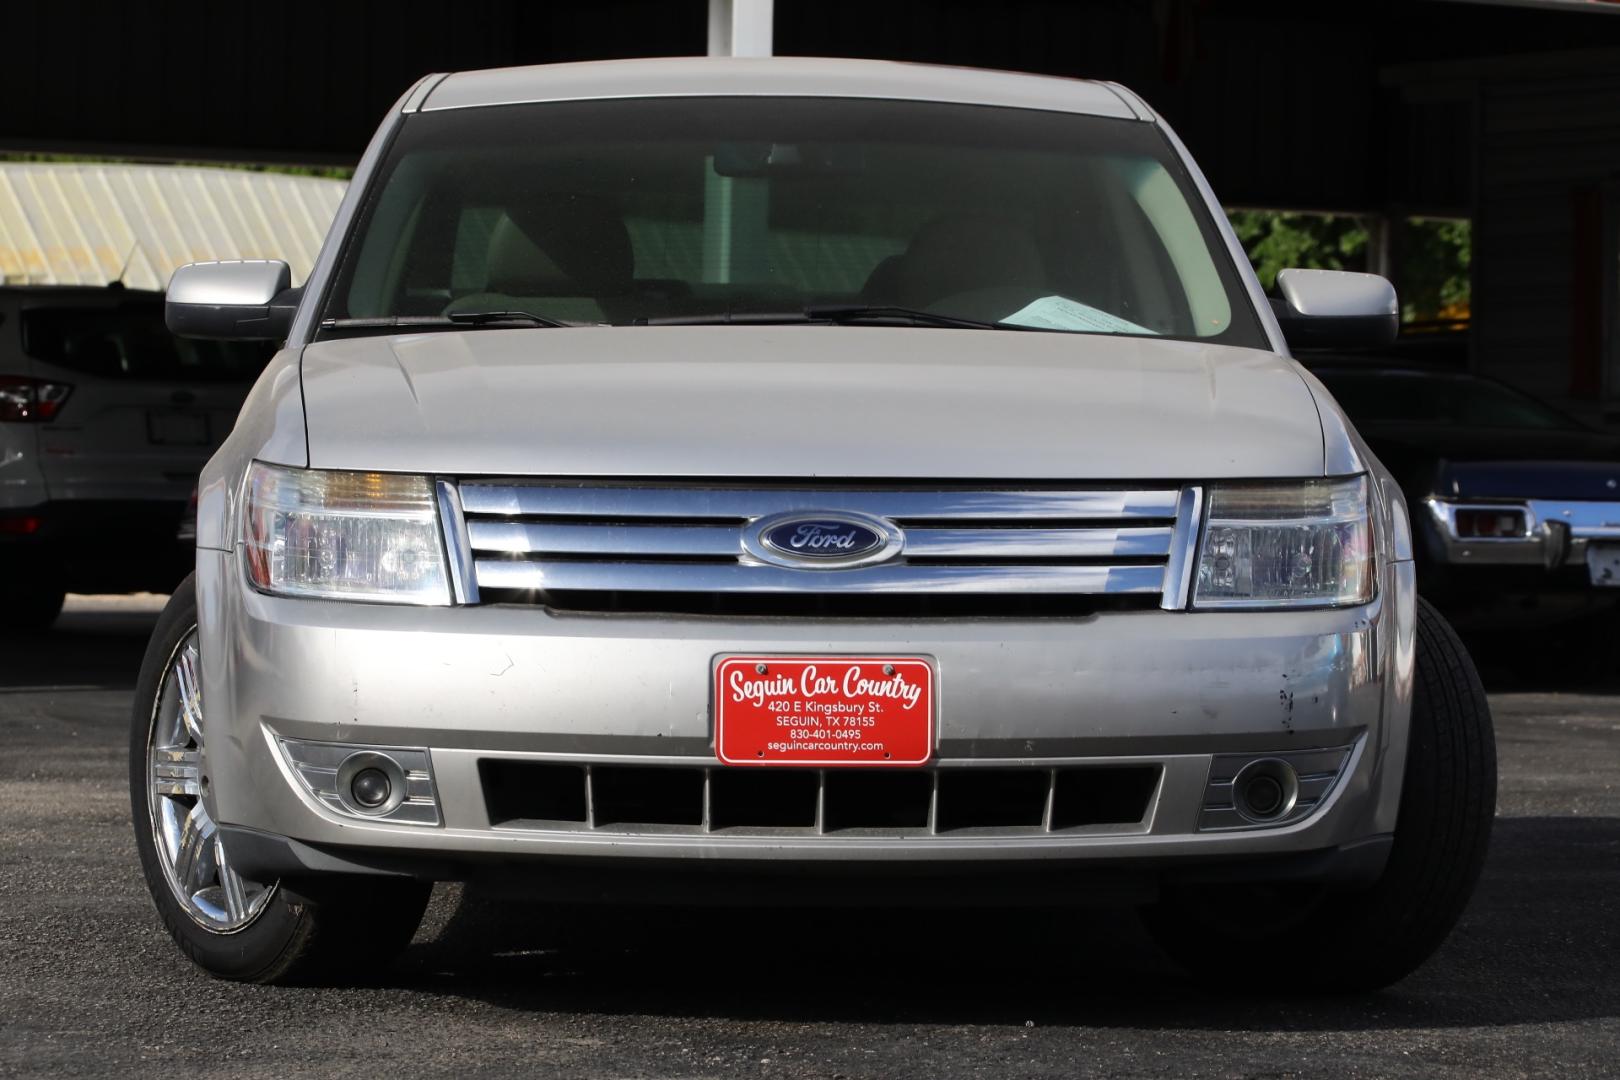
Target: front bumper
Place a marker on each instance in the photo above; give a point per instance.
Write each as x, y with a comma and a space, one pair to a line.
799, 884
469, 685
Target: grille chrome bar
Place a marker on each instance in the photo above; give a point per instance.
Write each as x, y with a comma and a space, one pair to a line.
887, 578
603, 542
628, 541
613, 503
463, 577
1183, 545
1144, 541
725, 541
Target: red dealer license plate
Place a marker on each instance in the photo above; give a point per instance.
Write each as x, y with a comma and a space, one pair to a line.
823, 710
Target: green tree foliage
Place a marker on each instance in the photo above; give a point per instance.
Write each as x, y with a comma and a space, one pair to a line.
1431, 255
1276, 240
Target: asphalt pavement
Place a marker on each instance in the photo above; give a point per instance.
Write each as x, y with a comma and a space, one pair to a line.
1528, 985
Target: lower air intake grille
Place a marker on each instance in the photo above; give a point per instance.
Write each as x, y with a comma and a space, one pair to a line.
699, 799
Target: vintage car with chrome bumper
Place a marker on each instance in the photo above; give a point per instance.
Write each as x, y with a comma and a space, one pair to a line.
1511, 561
1515, 505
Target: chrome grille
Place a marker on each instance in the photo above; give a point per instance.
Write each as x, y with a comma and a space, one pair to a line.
551, 541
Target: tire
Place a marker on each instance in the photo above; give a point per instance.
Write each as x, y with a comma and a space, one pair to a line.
30, 605
277, 932
1366, 939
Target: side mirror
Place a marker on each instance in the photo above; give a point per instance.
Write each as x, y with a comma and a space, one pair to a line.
244, 300
1336, 309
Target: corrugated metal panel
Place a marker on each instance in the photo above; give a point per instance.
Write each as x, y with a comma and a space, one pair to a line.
66, 224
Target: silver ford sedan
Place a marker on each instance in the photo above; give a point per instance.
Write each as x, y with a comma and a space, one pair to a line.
803, 482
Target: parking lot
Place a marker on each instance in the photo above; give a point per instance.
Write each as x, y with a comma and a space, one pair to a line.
1528, 985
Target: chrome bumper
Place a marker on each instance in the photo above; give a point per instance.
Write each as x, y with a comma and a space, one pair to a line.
1556, 533
1171, 690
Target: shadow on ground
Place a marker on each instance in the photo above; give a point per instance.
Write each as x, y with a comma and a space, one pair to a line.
97, 641
1581, 656
1541, 942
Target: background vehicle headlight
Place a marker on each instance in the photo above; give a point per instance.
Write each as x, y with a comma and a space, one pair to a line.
1299, 544
345, 535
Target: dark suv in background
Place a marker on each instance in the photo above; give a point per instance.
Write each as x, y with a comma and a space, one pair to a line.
105, 420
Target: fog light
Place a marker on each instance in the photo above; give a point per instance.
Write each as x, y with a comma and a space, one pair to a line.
1263, 796
1265, 790
370, 782
370, 787
391, 783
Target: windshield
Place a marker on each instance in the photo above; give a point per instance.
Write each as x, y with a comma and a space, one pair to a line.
1449, 400
672, 209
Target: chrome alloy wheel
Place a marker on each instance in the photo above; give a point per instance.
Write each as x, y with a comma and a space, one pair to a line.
189, 849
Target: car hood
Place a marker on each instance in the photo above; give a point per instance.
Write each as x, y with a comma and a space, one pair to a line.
806, 401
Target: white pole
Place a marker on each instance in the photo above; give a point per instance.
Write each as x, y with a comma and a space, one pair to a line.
736, 28
741, 27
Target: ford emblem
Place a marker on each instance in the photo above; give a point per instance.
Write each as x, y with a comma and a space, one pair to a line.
822, 541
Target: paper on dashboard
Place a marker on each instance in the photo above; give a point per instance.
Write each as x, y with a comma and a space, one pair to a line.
1061, 313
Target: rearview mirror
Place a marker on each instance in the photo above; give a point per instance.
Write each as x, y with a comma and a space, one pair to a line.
754, 160
244, 300
1335, 309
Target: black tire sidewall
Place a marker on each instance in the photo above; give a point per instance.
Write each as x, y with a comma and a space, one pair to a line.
1448, 804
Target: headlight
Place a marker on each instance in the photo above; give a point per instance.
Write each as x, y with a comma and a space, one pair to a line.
1300, 544
345, 535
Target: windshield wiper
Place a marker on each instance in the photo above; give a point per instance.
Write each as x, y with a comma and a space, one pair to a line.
840, 314
845, 314
727, 318
493, 318
456, 320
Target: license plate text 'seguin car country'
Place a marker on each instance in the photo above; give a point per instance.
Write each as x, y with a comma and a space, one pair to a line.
824, 710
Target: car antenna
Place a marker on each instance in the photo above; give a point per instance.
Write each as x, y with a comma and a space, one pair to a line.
118, 282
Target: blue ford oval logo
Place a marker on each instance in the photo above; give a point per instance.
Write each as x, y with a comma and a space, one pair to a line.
822, 539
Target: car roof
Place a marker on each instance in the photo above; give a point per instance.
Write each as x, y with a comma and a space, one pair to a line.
774, 76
